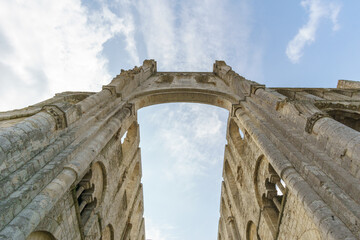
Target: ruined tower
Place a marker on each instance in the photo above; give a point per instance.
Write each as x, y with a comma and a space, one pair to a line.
291, 166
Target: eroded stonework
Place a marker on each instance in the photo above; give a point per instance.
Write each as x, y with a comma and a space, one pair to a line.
70, 167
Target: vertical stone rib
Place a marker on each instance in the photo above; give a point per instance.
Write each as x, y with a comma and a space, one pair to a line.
43, 202
21, 142
296, 183
85, 157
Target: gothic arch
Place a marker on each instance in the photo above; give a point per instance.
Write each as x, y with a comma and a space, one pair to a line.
167, 87
148, 98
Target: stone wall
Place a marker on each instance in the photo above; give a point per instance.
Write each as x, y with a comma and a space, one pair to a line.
290, 167
70, 167
348, 84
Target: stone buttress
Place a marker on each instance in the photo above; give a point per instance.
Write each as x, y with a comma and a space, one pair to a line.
70, 166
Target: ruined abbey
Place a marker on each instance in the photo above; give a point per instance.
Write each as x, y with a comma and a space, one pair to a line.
70, 166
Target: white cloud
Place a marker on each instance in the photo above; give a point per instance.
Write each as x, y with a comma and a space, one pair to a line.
49, 47
159, 31
190, 35
54, 46
129, 32
156, 231
318, 9
190, 130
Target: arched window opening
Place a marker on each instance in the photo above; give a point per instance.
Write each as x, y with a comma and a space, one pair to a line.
237, 136
129, 139
348, 118
84, 191
274, 181
270, 191
89, 191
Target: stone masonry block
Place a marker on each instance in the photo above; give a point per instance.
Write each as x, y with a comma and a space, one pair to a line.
12, 232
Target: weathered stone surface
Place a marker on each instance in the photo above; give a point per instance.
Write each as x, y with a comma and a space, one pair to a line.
291, 165
348, 84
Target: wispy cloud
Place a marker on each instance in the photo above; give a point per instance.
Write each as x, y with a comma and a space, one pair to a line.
190, 35
156, 231
157, 20
57, 46
190, 130
318, 9
54, 46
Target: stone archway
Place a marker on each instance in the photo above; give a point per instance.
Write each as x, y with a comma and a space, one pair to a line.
47, 151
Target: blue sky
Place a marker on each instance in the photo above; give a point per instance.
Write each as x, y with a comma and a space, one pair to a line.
53, 46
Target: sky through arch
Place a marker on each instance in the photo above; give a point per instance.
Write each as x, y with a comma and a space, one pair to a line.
182, 147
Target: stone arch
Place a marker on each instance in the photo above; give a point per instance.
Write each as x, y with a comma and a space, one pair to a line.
259, 167
236, 135
192, 87
129, 139
269, 191
90, 191
267, 182
40, 235
148, 98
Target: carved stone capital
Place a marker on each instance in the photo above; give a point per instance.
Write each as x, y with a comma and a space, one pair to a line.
131, 107
234, 108
112, 89
254, 87
313, 119
57, 114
